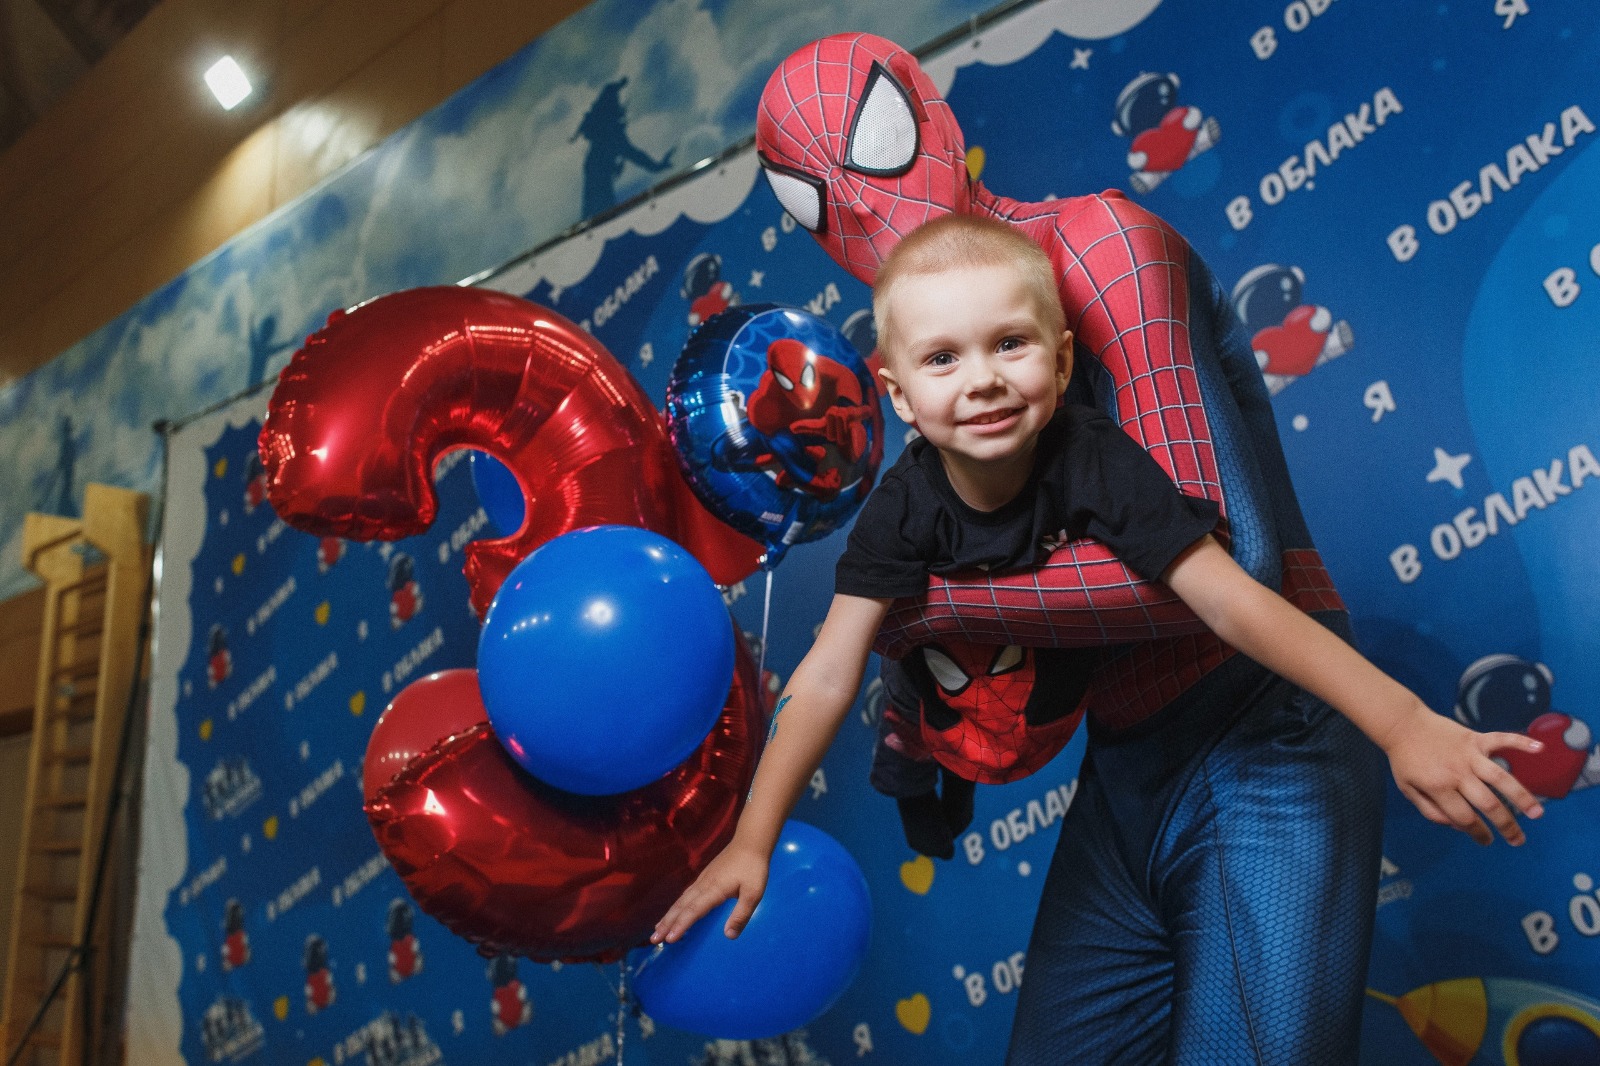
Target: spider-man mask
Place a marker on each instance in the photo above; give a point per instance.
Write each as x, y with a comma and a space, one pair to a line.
859, 147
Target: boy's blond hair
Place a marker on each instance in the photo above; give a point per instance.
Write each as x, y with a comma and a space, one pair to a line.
951, 242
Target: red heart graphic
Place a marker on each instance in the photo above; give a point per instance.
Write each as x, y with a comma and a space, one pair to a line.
1167, 146
1293, 347
1551, 772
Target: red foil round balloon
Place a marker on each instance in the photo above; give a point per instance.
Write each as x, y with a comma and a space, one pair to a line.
516, 866
424, 714
368, 405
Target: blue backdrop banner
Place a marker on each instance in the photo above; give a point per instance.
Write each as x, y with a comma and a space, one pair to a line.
1402, 201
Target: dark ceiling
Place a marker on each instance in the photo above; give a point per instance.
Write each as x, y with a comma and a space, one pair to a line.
46, 45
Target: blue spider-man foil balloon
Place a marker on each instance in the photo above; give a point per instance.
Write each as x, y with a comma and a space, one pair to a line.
776, 421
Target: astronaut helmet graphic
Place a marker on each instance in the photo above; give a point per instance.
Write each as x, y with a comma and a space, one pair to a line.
1289, 336
509, 1005
1502, 693
1510, 694
405, 595
320, 991
705, 289
405, 952
235, 941
255, 482
1165, 134
219, 660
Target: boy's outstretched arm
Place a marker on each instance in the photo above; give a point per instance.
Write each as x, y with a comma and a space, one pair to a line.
814, 704
1440, 765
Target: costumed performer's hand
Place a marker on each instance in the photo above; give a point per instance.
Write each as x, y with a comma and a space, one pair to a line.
738, 871
1446, 769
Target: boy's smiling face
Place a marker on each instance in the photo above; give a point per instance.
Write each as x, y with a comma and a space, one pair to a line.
974, 369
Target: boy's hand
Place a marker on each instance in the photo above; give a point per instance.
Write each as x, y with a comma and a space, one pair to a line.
737, 871
1446, 770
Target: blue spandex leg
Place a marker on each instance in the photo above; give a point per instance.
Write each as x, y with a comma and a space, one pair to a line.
1212, 895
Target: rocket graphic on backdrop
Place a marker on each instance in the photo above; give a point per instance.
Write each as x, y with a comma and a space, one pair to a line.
1496, 1021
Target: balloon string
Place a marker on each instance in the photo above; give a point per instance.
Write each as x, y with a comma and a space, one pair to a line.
761, 663
622, 1007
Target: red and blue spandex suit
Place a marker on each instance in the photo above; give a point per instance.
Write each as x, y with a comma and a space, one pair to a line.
1211, 897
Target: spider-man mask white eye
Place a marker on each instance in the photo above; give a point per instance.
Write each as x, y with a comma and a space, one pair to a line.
800, 194
883, 136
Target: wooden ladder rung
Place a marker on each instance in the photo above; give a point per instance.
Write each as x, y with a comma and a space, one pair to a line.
68, 801
57, 893
58, 847
78, 754
74, 710
78, 671
49, 941
87, 627
90, 583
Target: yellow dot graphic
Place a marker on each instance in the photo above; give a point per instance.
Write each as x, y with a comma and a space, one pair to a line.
280, 1007
238, 564
324, 612
205, 729
222, 466
358, 703
269, 828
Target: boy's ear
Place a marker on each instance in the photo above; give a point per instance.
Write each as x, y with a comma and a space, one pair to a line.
897, 397
1064, 360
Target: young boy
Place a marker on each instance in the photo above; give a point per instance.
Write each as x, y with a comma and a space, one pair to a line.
1212, 891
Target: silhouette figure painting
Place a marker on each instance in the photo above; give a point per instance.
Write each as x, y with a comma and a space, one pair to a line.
263, 346
604, 126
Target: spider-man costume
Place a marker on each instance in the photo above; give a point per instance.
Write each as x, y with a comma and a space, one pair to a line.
1152, 938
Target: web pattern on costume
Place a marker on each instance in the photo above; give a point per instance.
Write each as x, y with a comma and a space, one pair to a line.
1124, 285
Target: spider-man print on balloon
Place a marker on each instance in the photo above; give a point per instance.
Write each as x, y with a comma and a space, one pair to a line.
776, 420
860, 148
809, 419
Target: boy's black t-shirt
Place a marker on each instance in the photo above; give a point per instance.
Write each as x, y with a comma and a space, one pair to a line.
1089, 479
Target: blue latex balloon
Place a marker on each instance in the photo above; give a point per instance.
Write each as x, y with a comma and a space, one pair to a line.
498, 491
605, 659
798, 954
777, 424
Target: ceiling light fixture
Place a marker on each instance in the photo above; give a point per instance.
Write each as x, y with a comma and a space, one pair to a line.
228, 82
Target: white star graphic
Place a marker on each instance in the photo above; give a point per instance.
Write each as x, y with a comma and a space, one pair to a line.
1447, 467
755, 278
1080, 58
